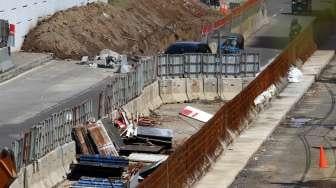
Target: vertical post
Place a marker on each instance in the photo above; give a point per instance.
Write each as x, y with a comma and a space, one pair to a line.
218, 43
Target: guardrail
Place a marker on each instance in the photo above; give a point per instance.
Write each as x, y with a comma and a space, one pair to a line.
189, 161
195, 65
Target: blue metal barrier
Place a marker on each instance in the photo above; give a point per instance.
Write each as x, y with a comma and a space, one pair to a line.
88, 182
109, 161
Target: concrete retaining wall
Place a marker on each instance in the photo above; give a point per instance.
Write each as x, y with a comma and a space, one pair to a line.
47, 171
149, 100
252, 23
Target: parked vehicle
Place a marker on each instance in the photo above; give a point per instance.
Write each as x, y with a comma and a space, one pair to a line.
233, 43
301, 6
188, 47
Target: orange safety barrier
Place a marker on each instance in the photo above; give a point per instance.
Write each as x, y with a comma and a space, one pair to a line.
230, 16
7, 168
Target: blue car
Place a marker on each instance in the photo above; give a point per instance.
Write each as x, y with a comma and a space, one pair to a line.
188, 47
233, 43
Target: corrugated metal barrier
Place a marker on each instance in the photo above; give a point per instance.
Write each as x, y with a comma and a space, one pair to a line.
195, 65
49, 134
124, 87
190, 161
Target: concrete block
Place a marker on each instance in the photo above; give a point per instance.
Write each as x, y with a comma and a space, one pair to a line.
144, 101
179, 91
195, 88
230, 87
246, 81
128, 108
210, 88
166, 89
173, 90
156, 99
149, 99
139, 105
49, 170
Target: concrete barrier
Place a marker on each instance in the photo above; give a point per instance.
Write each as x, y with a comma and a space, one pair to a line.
230, 87
130, 108
179, 90
173, 90
156, 99
210, 88
148, 100
47, 171
252, 23
195, 88
166, 89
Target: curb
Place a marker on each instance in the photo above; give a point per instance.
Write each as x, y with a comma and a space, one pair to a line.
28, 66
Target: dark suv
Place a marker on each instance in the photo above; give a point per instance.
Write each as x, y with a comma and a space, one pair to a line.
188, 47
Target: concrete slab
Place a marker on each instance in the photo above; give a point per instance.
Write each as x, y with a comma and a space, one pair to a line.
259, 130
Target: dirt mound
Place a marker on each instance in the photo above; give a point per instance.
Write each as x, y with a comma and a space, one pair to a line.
134, 27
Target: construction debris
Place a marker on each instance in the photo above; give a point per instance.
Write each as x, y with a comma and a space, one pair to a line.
195, 113
98, 166
85, 182
92, 138
147, 158
100, 143
149, 169
147, 121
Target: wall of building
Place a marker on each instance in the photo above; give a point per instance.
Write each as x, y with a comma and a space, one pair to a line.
26, 13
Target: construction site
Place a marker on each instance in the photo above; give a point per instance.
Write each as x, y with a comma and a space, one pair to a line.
167, 93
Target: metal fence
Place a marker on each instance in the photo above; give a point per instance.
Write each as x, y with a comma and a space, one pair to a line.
195, 65
123, 88
4, 33
49, 134
189, 161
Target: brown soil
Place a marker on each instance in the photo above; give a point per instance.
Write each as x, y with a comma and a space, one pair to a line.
133, 27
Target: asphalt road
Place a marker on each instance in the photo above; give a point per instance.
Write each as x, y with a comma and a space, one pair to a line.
23, 98
270, 40
289, 158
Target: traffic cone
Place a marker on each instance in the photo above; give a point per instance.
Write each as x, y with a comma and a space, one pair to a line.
323, 159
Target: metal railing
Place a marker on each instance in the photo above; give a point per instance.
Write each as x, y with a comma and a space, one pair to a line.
195, 65
49, 134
